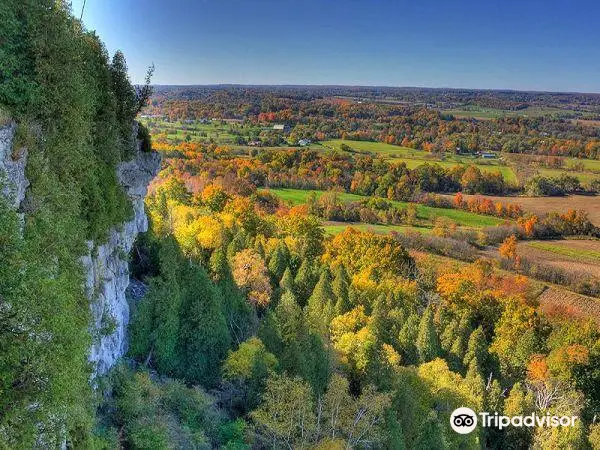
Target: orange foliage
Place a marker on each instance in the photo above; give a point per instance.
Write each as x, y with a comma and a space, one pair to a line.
528, 224
508, 248
537, 369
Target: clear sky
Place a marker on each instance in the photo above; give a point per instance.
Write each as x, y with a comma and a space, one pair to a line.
505, 44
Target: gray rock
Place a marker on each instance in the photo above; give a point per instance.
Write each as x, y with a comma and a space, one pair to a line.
107, 268
13, 182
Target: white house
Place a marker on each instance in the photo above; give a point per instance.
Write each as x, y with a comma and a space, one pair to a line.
281, 127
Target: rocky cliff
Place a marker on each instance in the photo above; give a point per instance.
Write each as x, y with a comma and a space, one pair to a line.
13, 182
106, 264
107, 268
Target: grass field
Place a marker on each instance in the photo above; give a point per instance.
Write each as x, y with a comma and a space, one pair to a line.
492, 113
584, 177
334, 228
426, 213
414, 158
564, 249
200, 132
571, 255
588, 164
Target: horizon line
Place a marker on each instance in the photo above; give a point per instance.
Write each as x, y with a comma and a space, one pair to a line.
293, 85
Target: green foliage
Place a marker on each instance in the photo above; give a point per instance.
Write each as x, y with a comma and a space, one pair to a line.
428, 345
165, 414
304, 281
341, 288
205, 338
180, 325
320, 306
248, 367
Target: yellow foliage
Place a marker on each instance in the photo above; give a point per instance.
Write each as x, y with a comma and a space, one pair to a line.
391, 355
350, 322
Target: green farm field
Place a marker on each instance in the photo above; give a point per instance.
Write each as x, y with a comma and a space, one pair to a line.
493, 113
334, 228
584, 177
565, 248
414, 158
426, 213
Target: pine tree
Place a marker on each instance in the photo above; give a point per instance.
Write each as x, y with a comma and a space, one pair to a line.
407, 339
290, 328
204, 334
155, 326
394, 435
431, 436
477, 350
304, 282
475, 382
219, 265
287, 281
319, 309
341, 286
460, 342
240, 317
449, 335
278, 262
428, 345
238, 243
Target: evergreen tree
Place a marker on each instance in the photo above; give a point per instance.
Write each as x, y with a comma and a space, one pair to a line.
238, 243
240, 317
317, 366
287, 281
407, 339
259, 247
460, 342
428, 345
431, 436
155, 325
341, 286
394, 436
278, 262
304, 281
449, 335
204, 334
475, 382
320, 309
477, 351
290, 329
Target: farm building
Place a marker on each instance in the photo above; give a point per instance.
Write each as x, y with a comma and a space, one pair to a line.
281, 127
304, 142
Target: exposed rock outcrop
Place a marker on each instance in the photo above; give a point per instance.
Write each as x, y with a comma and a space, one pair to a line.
106, 266
13, 182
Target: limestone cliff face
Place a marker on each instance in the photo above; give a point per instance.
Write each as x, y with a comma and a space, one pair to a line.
107, 270
106, 264
13, 182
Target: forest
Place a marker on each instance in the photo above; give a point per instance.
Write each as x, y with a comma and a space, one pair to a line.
291, 296
321, 114
301, 339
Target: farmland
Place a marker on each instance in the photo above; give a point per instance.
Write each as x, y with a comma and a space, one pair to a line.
426, 213
414, 158
543, 205
337, 227
579, 256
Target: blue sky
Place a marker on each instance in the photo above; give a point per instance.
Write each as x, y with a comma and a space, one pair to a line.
504, 44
